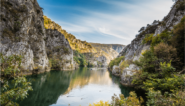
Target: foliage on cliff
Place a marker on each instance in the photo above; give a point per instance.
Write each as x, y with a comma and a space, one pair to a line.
13, 87
80, 58
76, 44
161, 67
116, 61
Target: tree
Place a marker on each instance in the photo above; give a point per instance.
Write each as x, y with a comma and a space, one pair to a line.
14, 85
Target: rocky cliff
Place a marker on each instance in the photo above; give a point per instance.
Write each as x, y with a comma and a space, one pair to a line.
106, 52
95, 53
76, 44
57, 46
117, 47
22, 32
134, 50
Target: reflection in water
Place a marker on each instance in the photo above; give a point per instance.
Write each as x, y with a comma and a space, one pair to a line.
78, 87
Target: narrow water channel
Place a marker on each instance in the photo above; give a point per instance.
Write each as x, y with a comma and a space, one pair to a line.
77, 87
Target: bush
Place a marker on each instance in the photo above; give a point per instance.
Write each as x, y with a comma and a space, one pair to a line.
176, 98
154, 40
116, 61
132, 100
66, 50
177, 41
123, 65
55, 63
165, 53
80, 58
19, 86
155, 65
180, 6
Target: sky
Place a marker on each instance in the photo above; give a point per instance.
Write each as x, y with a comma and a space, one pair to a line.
105, 21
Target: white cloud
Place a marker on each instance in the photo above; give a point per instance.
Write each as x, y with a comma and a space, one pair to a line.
122, 25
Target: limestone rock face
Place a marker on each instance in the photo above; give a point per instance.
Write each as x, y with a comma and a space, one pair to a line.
76, 44
134, 50
22, 32
127, 73
106, 52
58, 46
116, 70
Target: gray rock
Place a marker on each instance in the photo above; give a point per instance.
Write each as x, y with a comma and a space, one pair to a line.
116, 70
134, 50
22, 32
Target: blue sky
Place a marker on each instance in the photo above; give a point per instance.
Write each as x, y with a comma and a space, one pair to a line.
105, 21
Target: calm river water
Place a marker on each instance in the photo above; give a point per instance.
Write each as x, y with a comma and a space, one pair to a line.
78, 87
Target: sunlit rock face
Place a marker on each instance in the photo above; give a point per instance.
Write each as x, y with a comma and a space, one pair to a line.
106, 52
76, 44
134, 50
22, 32
58, 46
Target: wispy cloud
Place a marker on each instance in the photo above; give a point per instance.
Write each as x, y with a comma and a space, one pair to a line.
123, 22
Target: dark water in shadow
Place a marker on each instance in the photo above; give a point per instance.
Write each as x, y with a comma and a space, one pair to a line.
78, 87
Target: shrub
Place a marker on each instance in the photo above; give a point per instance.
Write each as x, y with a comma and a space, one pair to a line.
55, 63
116, 61
66, 50
123, 65
80, 58
154, 40
132, 100
165, 53
177, 41
154, 68
19, 86
148, 38
176, 98
101, 103
180, 6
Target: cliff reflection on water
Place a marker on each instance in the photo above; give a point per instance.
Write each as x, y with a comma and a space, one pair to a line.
78, 87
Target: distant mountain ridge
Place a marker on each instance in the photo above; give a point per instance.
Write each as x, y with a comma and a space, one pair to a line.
117, 47
103, 53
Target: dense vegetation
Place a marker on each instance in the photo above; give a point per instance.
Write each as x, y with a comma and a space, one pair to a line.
14, 85
161, 72
161, 68
116, 61
80, 58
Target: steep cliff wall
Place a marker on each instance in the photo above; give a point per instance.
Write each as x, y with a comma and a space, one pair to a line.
76, 44
134, 50
57, 46
22, 32
106, 52
94, 52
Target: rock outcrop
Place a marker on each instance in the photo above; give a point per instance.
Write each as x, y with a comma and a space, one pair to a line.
22, 32
106, 52
58, 46
134, 50
76, 44
117, 47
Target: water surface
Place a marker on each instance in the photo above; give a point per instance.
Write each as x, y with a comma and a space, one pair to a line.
78, 87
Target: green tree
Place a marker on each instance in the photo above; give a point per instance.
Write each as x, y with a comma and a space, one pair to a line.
14, 85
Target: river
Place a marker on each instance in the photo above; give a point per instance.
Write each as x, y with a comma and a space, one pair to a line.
77, 87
